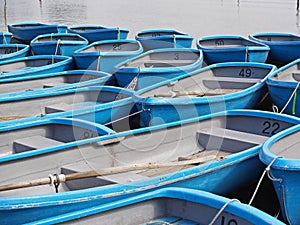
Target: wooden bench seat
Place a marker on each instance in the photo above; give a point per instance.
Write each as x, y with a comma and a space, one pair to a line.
33, 143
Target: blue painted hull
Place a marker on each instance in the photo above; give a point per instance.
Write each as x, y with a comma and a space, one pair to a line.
284, 92
13, 51
27, 31
218, 49
99, 33
285, 171
198, 208
34, 65
57, 44
157, 110
284, 47
149, 75
106, 60
218, 176
155, 39
5, 37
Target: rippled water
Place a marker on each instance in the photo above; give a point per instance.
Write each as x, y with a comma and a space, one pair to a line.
195, 17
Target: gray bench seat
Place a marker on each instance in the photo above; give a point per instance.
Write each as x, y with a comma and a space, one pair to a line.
230, 82
53, 84
228, 140
33, 143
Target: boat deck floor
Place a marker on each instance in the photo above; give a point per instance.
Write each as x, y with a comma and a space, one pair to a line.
219, 154
171, 220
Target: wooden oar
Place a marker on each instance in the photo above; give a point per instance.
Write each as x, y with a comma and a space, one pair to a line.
4, 118
102, 172
196, 93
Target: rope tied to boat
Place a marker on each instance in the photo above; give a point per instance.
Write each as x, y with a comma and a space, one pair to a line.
133, 83
56, 179
119, 34
246, 55
57, 46
294, 94
267, 170
98, 63
174, 40
222, 209
4, 39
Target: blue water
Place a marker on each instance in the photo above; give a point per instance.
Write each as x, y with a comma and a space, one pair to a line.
195, 17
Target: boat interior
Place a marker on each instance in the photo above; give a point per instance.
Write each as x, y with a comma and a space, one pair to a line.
164, 59
28, 64
58, 103
42, 136
288, 146
168, 210
212, 139
227, 43
112, 47
217, 81
10, 49
61, 37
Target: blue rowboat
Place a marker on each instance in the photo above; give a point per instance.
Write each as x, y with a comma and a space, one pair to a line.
100, 104
59, 81
283, 86
27, 31
281, 154
99, 33
13, 51
157, 65
284, 47
57, 44
218, 49
105, 55
154, 39
215, 88
182, 153
5, 37
34, 65
170, 206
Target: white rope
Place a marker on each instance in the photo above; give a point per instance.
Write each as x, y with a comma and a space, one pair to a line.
57, 46
3, 36
98, 63
174, 40
222, 209
260, 180
124, 117
296, 88
246, 56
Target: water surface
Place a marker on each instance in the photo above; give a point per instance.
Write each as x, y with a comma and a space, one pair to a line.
195, 17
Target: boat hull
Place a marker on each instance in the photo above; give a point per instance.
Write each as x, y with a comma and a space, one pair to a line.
284, 47
27, 31
57, 44
99, 33
110, 54
5, 37
155, 39
281, 154
162, 65
160, 104
13, 51
34, 65
218, 49
220, 176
